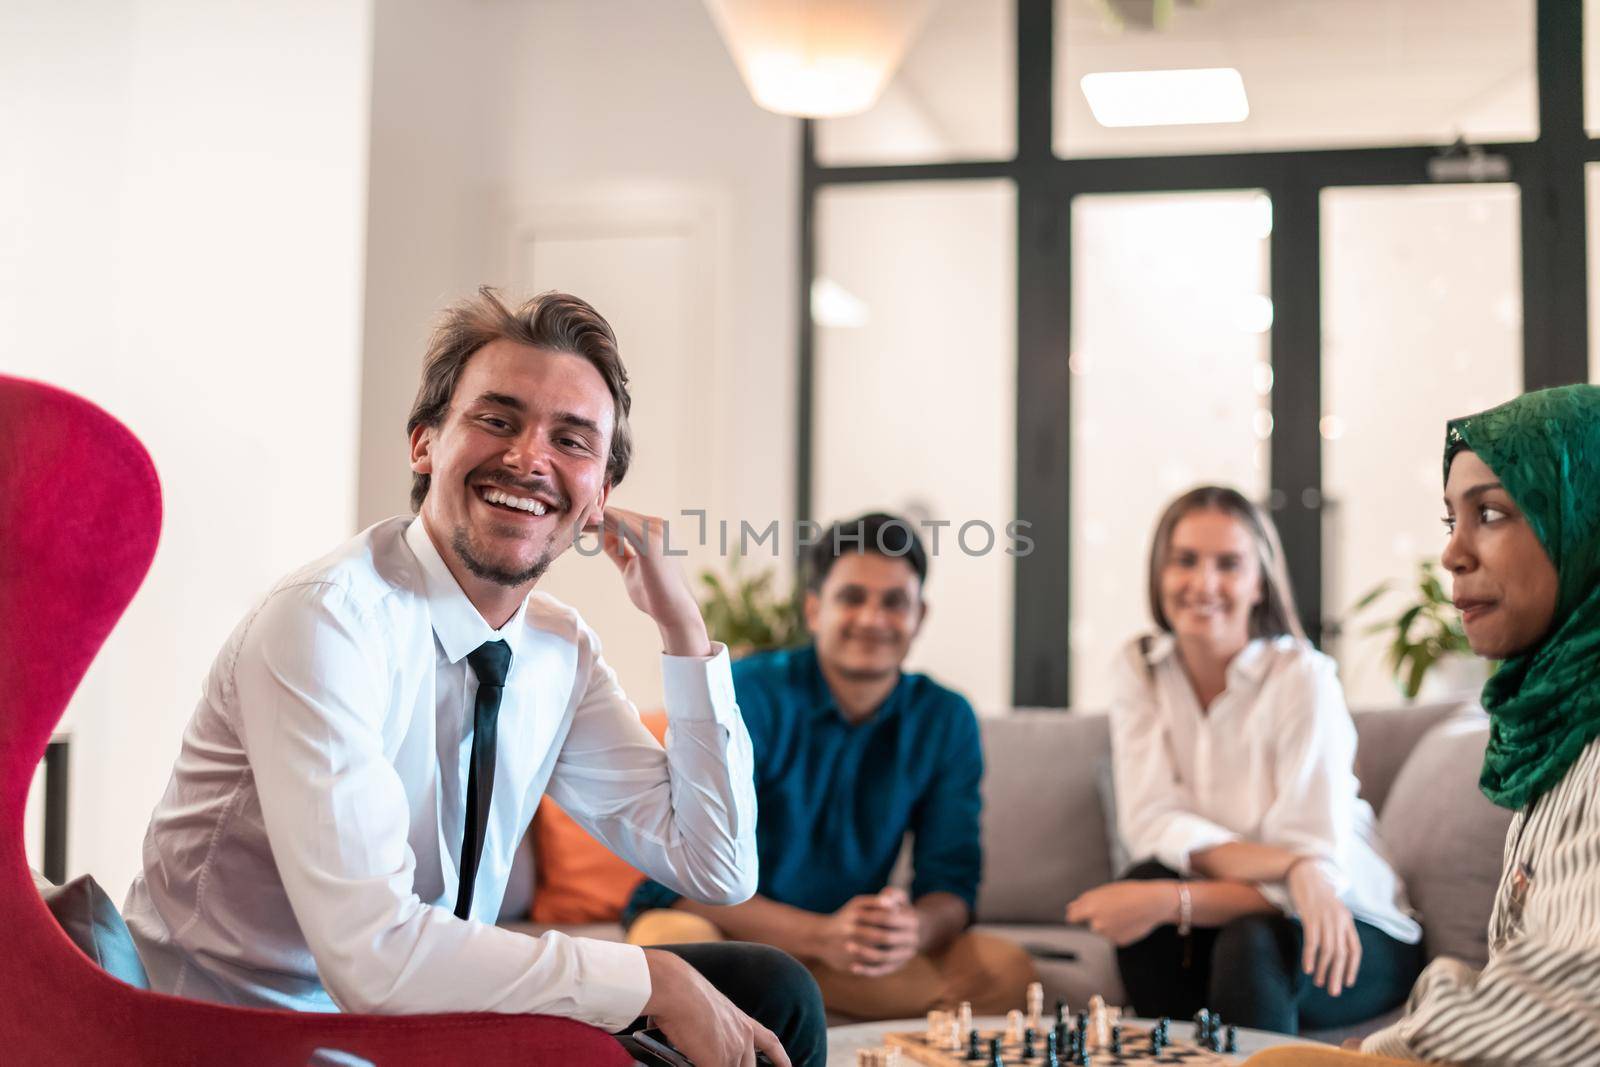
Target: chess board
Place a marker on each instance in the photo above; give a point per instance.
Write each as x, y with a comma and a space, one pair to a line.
1135, 1052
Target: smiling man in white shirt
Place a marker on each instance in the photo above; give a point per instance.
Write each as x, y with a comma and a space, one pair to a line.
372, 740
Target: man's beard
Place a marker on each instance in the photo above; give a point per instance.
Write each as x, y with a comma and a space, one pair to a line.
462, 546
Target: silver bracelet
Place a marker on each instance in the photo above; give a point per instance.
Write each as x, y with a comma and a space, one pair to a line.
1185, 909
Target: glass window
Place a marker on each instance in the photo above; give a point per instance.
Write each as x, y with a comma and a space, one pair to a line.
953, 98
1422, 321
1171, 388
1591, 175
1591, 67
1315, 74
915, 311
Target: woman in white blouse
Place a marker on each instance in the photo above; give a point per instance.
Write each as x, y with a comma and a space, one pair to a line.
1259, 890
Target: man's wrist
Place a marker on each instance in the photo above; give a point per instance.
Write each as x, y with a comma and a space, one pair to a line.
685, 639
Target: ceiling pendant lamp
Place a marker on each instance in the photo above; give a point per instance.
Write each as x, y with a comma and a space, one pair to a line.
817, 58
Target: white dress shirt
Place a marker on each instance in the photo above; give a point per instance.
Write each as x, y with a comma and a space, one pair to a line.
1271, 761
305, 852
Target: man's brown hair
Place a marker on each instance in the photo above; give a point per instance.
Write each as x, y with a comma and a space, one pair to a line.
554, 321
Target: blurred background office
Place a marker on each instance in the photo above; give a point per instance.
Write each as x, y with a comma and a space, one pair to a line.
1072, 258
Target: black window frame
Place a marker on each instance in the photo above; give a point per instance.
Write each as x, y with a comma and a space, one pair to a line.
1549, 172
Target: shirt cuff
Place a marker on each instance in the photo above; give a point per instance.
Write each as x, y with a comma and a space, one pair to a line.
615, 982
699, 688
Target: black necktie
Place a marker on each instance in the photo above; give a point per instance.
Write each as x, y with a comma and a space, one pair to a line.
489, 662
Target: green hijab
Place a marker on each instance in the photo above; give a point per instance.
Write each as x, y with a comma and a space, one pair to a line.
1544, 704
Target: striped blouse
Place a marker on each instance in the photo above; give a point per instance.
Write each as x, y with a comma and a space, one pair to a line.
1537, 1000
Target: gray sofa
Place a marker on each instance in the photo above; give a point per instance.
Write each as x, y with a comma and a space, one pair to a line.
1047, 836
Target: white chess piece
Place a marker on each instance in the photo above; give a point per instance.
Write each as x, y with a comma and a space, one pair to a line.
1035, 1004
1013, 1026
1099, 1035
964, 1018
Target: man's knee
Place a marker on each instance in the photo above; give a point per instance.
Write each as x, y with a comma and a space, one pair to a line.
990, 971
670, 926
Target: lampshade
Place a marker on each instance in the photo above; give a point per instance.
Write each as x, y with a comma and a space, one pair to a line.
817, 58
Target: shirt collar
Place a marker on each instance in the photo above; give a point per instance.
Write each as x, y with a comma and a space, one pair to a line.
1249, 665
457, 624
825, 706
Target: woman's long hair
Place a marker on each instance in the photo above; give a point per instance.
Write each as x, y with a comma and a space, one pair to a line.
1276, 614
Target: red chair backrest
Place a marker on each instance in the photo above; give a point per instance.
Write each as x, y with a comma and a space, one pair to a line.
80, 514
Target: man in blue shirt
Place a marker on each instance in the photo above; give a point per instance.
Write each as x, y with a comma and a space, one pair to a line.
851, 754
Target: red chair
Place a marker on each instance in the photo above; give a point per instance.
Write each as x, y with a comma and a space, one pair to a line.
80, 512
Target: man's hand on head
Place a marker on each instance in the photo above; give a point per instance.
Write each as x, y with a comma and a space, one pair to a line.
700, 1022
656, 584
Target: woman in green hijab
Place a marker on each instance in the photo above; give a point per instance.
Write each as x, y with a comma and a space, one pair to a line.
1522, 496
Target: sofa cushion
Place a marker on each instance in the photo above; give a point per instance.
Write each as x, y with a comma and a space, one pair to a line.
92, 922
1073, 963
1385, 738
1044, 834
1445, 839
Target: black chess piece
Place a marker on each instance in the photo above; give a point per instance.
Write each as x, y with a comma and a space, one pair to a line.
1052, 1049
1083, 1055
995, 1059
1156, 1043
1116, 1040
1233, 1040
974, 1050
1165, 1023
1061, 1011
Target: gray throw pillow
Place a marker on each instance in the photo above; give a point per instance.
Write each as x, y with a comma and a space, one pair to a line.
1445, 839
92, 922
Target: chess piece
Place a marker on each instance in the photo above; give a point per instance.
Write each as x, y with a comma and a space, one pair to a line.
1061, 1011
953, 1040
1052, 1049
974, 1051
1116, 1040
1233, 1039
1035, 1004
1013, 1026
1099, 1029
1028, 1037
1156, 1043
995, 1059
1202, 1026
936, 1028
964, 1015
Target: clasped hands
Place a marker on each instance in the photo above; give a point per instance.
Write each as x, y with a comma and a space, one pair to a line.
872, 935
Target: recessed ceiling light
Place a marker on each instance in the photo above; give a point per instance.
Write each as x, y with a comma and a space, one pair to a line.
1166, 97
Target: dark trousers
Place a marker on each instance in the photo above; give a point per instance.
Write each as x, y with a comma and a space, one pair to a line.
1249, 971
771, 987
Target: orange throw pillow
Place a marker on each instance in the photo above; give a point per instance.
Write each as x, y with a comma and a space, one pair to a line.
577, 879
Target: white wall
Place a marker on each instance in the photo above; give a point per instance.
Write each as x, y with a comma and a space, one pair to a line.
181, 220
502, 126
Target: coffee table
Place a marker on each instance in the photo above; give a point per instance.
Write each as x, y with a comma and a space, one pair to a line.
845, 1041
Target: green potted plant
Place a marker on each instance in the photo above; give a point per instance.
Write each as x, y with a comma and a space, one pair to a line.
1426, 635
746, 613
